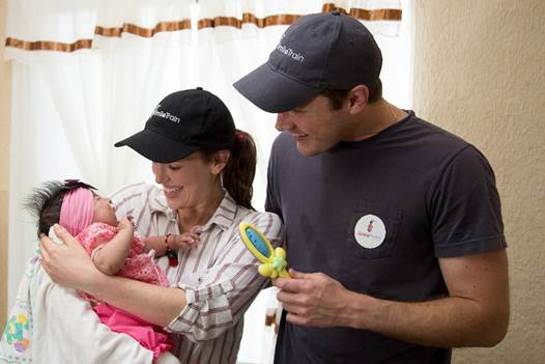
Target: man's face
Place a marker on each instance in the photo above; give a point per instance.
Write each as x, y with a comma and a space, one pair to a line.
315, 127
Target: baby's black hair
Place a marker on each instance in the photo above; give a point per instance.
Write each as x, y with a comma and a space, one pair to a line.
45, 202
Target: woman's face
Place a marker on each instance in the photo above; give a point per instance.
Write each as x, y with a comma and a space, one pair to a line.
188, 182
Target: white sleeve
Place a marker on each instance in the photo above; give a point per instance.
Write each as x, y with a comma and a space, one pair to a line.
67, 330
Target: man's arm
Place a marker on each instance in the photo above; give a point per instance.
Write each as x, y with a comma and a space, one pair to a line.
70, 266
476, 313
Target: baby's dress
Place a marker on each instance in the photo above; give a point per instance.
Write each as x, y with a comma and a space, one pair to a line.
139, 265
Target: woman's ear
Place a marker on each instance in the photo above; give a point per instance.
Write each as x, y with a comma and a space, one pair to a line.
219, 161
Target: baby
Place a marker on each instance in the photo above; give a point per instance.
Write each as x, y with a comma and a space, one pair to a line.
113, 246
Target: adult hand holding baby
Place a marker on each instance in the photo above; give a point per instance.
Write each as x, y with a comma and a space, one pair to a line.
77, 270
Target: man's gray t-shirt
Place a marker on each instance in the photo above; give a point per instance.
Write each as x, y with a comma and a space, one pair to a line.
375, 215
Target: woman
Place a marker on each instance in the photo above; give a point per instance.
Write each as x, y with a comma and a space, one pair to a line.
206, 168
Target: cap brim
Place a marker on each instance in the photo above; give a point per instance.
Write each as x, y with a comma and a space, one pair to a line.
156, 147
272, 91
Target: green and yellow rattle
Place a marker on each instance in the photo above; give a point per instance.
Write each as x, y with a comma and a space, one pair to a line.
273, 261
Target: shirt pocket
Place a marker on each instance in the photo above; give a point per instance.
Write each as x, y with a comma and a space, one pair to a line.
372, 230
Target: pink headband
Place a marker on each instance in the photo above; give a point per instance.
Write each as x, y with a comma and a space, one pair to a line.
77, 210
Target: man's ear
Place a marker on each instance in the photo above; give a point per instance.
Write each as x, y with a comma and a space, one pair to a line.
358, 98
219, 161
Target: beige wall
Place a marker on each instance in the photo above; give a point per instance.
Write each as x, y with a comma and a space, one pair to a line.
480, 73
4, 167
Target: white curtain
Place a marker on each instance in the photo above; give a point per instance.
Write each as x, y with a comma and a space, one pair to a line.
88, 73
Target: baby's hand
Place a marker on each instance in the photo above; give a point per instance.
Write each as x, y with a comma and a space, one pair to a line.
126, 224
185, 240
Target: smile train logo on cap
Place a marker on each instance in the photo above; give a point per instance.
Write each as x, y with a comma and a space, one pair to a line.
290, 53
165, 115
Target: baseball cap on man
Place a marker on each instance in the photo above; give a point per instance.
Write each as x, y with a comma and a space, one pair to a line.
184, 122
325, 51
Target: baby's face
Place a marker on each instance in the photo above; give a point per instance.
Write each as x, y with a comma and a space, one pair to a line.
104, 211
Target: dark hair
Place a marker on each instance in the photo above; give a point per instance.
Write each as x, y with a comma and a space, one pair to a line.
337, 97
45, 202
45, 205
239, 173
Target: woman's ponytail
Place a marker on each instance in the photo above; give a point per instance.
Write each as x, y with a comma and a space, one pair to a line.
239, 172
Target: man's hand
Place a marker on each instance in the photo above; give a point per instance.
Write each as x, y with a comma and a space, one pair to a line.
67, 264
476, 312
313, 299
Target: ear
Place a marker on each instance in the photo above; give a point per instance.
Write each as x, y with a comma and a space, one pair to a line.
219, 161
358, 99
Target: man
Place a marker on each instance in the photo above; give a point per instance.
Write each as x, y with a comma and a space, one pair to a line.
395, 222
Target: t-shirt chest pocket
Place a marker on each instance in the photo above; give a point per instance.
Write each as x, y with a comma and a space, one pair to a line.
372, 230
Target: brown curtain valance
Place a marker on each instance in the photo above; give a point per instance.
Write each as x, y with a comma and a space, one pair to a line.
171, 26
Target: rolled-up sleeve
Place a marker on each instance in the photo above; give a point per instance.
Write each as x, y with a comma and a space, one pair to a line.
219, 297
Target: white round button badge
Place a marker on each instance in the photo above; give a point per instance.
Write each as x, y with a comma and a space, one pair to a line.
370, 231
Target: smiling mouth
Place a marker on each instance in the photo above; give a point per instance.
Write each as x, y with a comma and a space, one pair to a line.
172, 189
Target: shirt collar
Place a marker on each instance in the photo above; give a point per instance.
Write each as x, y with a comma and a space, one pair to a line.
224, 214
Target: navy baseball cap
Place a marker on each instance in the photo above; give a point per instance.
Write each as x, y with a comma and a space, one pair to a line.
325, 51
184, 122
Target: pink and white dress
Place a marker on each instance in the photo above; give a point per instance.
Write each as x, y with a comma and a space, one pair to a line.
140, 266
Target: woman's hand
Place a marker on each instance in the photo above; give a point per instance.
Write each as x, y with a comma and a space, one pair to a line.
67, 264
185, 240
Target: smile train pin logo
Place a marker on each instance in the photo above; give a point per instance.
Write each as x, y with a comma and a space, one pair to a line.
370, 231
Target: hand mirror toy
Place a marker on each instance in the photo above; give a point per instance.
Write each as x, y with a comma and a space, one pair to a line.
273, 261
